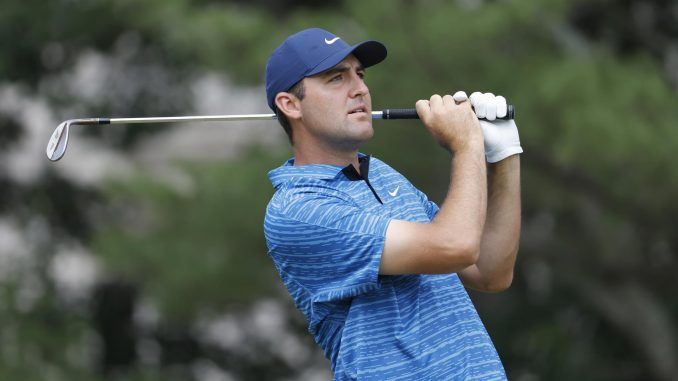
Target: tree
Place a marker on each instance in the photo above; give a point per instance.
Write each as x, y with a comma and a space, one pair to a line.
595, 104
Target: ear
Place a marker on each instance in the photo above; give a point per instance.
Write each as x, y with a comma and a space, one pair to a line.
289, 105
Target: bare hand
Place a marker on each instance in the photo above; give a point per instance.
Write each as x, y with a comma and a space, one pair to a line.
454, 126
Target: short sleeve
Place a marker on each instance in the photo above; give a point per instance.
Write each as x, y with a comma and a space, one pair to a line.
326, 245
430, 206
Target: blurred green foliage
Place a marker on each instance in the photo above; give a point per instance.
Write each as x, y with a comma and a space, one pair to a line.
194, 251
593, 297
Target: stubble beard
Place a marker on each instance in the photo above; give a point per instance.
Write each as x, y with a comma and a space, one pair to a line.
344, 136
350, 136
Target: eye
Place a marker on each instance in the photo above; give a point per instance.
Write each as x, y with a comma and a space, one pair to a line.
336, 78
361, 74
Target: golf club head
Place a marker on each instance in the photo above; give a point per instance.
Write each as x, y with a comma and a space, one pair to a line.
56, 147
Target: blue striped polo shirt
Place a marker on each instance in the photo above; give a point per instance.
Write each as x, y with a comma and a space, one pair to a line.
325, 228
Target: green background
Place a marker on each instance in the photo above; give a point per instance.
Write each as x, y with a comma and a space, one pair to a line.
594, 85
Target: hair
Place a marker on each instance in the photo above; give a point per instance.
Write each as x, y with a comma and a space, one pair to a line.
298, 91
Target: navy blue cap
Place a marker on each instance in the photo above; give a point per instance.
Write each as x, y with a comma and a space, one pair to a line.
310, 52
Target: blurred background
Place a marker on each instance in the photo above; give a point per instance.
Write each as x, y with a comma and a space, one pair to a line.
140, 255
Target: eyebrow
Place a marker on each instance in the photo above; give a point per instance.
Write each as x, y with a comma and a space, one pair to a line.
341, 69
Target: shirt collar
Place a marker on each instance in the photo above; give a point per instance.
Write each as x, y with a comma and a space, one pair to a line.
290, 172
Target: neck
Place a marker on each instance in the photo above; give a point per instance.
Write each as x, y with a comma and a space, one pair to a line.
315, 154
312, 147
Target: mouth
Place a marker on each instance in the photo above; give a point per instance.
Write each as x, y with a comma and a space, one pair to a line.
358, 110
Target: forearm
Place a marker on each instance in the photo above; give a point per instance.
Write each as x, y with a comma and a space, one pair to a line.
501, 234
465, 205
451, 242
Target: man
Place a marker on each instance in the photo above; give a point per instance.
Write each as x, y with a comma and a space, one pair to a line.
379, 270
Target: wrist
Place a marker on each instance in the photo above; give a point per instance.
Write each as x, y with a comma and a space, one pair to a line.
470, 150
498, 155
509, 163
474, 144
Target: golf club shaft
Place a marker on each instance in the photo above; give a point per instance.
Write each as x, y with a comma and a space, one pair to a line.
56, 147
384, 114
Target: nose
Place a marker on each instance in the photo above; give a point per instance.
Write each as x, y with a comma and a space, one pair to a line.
358, 86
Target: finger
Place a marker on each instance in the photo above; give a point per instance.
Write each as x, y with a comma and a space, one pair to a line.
447, 100
423, 108
479, 104
490, 107
460, 96
501, 106
475, 98
436, 101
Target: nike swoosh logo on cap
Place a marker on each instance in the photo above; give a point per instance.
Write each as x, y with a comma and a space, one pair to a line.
332, 41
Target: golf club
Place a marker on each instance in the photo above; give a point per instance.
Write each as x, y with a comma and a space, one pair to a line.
56, 147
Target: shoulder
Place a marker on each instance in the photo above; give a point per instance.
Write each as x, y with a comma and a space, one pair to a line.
301, 200
318, 210
381, 171
377, 164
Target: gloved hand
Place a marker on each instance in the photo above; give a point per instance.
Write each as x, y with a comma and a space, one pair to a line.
501, 136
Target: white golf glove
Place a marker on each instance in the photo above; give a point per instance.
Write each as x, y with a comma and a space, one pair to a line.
501, 136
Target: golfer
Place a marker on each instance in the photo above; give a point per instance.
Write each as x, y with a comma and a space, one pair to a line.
378, 270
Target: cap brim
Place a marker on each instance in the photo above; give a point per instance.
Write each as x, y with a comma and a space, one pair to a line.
369, 53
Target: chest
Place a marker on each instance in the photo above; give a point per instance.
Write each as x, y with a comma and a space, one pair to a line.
390, 195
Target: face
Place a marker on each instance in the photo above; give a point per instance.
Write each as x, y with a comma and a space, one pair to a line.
337, 108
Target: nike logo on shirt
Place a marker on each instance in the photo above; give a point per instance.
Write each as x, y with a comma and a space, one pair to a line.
395, 191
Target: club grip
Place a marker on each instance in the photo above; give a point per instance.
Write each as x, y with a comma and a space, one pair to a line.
410, 113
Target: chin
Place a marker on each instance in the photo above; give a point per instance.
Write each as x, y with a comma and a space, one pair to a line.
356, 139
369, 134
364, 138
364, 133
